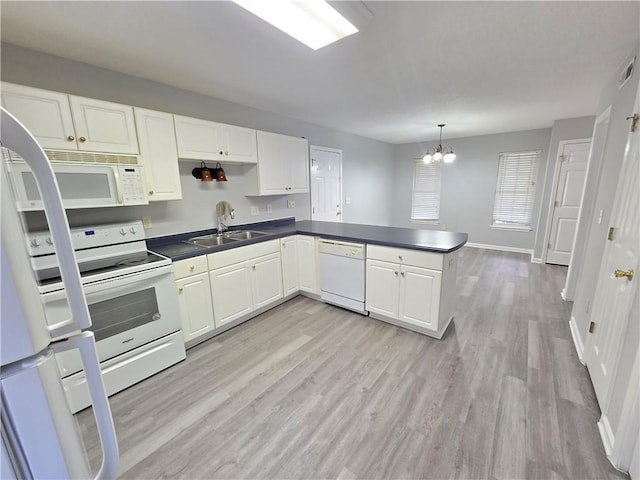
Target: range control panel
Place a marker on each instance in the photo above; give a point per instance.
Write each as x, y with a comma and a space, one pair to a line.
41, 243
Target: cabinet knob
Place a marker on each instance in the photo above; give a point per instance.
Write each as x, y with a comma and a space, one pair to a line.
192, 267
226, 153
400, 257
221, 152
71, 138
180, 290
395, 273
253, 267
150, 192
402, 273
83, 139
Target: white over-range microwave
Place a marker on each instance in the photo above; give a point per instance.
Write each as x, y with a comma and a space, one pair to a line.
85, 180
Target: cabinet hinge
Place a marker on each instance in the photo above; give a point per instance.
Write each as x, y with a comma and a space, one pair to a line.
556, 203
634, 121
313, 210
592, 326
611, 232
549, 245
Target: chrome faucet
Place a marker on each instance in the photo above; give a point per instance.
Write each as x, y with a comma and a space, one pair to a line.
221, 226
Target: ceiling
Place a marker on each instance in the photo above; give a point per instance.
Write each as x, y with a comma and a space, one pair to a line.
479, 67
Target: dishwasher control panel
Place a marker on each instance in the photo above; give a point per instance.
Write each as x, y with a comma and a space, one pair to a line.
342, 249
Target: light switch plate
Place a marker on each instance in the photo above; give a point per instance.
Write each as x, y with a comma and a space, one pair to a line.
269, 208
347, 200
291, 204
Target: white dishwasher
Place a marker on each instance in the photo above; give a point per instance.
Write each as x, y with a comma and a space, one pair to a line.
342, 274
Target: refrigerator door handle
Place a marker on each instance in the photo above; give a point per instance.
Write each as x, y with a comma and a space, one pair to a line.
17, 138
86, 344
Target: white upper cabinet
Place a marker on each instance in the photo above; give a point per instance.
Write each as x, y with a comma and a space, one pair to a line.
159, 154
104, 126
45, 114
282, 165
204, 140
61, 121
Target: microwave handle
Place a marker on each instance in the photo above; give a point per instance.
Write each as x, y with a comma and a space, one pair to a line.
17, 138
118, 180
85, 343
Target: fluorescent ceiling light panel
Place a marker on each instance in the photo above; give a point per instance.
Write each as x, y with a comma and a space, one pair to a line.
312, 22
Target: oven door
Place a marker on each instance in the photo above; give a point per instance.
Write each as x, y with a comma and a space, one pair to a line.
126, 312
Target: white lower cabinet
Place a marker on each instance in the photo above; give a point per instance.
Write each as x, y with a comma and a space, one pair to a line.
299, 261
307, 264
290, 270
194, 297
231, 292
245, 279
411, 288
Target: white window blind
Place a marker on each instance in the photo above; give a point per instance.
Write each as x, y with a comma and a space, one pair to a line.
515, 189
426, 191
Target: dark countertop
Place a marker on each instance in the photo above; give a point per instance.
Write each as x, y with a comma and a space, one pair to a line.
175, 247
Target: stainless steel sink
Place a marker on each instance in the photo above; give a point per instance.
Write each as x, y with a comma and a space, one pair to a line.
244, 234
211, 240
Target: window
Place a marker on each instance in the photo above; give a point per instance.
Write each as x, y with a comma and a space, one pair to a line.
515, 190
425, 205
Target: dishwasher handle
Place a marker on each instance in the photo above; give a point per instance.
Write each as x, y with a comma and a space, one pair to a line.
342, 249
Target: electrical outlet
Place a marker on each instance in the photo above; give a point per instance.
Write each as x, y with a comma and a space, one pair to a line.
146, 222
347, 200
269, 208
255, 211
291, 204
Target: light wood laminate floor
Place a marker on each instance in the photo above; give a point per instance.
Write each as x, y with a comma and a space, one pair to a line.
308, 390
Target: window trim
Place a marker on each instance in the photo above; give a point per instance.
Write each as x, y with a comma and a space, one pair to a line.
536, 155
427, 221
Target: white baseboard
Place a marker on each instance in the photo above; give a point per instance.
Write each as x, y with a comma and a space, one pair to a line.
577, 339
606, 434
499, 247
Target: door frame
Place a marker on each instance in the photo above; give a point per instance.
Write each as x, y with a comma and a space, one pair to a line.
554, 192
327, 149
585, 214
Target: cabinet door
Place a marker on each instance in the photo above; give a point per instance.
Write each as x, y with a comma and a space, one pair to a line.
196, 311
289, 252
104, 126
383, 288
274, 176
46, 114
420, 296
267, 279
298, 165
231, 292
239, 144
198, 139
307, 265
157, 139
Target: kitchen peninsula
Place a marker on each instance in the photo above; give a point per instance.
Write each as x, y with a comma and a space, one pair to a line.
410, 273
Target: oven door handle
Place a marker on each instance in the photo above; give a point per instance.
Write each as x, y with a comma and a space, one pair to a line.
116, 282
17, 138
85, 343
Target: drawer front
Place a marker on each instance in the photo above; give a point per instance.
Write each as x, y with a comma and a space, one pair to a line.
241, 254
190, 266
405, 256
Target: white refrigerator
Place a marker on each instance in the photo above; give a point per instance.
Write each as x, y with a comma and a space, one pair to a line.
40, 436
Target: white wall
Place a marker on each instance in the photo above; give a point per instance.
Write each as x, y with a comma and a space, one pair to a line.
468, 185
566, 129
365, 161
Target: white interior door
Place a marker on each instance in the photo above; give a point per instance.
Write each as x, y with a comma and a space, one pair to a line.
568, 186
326, 184
617, 282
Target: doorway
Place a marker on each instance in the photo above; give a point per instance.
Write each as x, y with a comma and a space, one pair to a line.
568, 184
326, 184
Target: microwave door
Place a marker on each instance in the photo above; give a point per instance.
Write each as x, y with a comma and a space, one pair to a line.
80, 187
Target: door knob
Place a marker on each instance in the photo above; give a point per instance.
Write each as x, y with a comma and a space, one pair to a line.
624, 273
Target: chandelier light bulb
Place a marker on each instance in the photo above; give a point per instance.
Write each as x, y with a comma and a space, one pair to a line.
449, 157
437, 156
427, 158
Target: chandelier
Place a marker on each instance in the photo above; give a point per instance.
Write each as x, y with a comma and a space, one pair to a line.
439, 153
